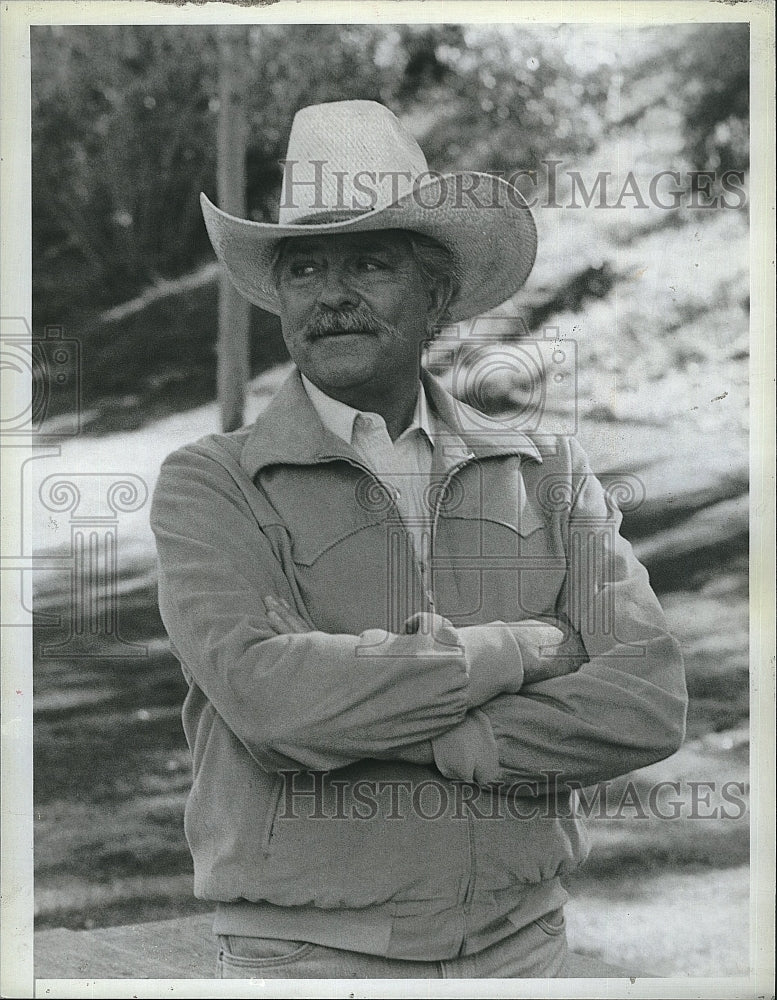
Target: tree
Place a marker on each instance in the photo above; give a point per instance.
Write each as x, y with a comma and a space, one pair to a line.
234, 310
715, 72
122, 143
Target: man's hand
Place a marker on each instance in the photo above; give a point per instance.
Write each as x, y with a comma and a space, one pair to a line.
547, 652
425, 621
283, 619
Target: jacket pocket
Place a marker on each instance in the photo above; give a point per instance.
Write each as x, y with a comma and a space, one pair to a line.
249, 952
552, 923
272, 813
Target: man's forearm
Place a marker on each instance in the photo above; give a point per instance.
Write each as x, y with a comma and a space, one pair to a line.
318, 699
501, 658
324, 701
622, 709
492, 659
590, 726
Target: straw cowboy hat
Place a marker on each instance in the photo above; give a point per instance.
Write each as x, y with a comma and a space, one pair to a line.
352, 167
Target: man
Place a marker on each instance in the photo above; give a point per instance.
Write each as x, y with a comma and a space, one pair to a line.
401, 660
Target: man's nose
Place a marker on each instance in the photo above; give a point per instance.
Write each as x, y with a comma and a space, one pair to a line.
337, 290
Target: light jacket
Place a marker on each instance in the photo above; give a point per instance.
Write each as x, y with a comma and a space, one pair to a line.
520, 532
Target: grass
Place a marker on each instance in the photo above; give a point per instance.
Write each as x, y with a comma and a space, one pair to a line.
111, 775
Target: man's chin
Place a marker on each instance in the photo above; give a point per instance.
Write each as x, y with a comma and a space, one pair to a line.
343, 373
338, 355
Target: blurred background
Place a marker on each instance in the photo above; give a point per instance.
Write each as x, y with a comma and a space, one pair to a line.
652, 302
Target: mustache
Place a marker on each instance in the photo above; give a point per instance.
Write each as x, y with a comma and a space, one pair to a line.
357, 319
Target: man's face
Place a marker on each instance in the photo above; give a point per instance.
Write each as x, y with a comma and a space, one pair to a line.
354, 308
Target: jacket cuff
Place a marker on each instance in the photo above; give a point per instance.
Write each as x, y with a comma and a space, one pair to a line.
468, 751
494, 661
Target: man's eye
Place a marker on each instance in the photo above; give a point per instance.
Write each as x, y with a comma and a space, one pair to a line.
369, 264
302, 270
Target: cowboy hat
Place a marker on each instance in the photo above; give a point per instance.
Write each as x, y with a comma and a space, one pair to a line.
351, 166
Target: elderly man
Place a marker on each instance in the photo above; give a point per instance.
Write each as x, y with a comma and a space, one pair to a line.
409, 632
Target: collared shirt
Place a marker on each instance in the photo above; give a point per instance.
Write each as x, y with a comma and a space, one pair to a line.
403, 466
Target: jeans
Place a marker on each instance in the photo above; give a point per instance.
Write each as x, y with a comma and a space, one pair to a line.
536, 951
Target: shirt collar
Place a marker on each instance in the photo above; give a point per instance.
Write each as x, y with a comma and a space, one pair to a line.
290, 432
340, 418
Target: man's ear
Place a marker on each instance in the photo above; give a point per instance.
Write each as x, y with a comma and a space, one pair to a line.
440, 295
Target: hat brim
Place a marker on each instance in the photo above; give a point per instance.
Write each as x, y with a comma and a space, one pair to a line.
481, 219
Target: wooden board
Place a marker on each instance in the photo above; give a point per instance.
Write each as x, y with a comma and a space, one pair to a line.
164, 949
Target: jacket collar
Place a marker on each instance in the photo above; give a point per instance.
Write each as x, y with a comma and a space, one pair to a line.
290, 432
341, 418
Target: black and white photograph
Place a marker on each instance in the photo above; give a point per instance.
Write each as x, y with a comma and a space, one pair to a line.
388, 535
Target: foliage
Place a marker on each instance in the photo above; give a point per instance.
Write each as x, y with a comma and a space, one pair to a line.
717, 98
124, 122
707, 81
122, 134
504, 98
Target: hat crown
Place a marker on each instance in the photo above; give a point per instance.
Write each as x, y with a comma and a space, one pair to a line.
351, 167
344, 159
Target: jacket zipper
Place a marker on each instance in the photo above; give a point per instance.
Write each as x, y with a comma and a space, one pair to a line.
470, 888
449, 475
435, 514
469, 892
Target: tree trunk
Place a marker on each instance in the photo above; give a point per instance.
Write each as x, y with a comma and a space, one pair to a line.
234, 310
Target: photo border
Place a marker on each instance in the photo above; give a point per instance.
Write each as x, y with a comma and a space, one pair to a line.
15, 293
